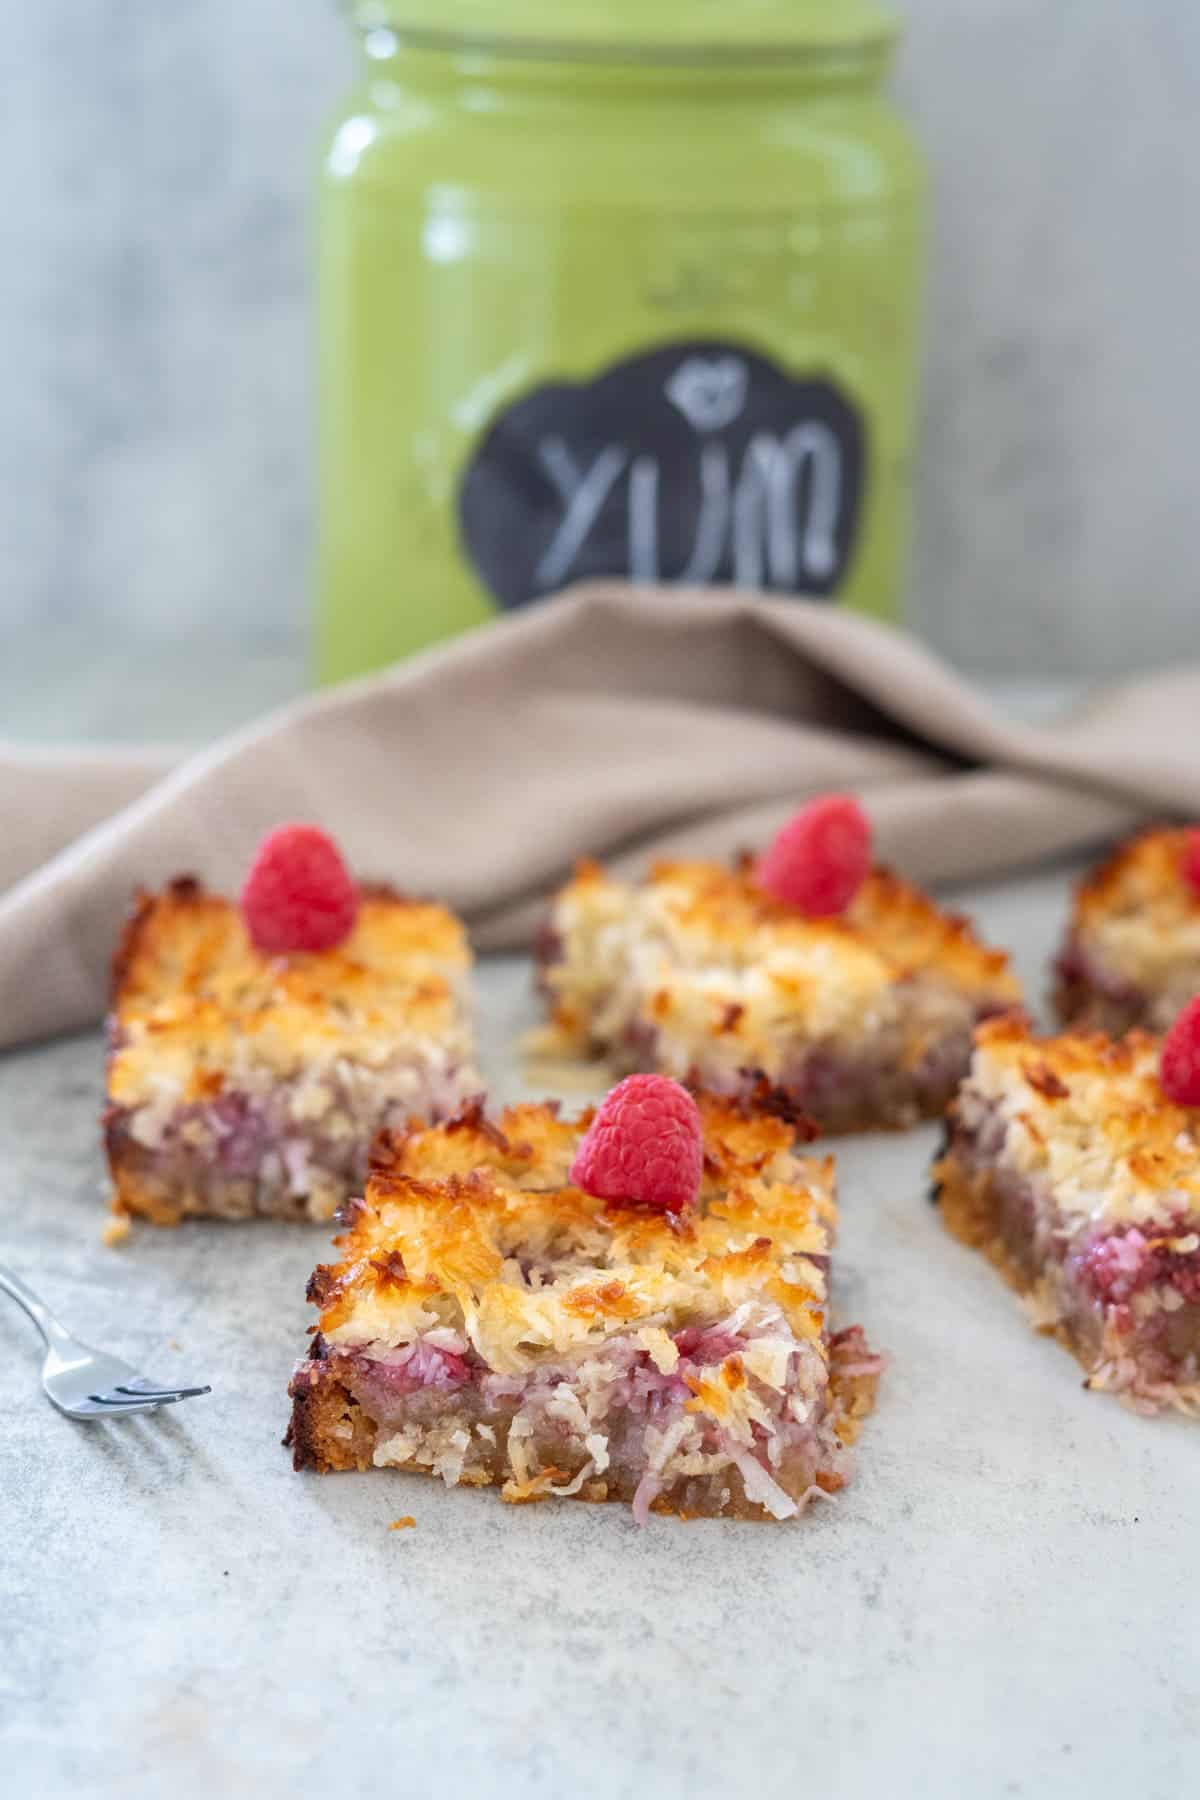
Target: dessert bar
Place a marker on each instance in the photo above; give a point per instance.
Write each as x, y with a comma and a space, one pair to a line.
1068, 1165
490, 1323
245, 1082
862, 1019
1131, 955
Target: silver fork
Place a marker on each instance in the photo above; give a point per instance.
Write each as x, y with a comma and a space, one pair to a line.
86, 1383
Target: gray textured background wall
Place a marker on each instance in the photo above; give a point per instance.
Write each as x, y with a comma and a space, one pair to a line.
155, 161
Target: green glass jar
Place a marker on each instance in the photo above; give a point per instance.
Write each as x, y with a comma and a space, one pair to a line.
611, 287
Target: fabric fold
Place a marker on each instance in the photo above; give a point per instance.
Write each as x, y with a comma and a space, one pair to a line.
618, 722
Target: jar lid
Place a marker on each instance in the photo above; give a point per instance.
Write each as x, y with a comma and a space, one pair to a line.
687, 28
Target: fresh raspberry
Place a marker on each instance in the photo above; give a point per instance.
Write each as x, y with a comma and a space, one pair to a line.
298, 894
1191, 859
1179, 1065
820, 858
644, 1144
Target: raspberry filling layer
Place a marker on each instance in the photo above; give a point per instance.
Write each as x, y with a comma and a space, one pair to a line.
292, 1136
637, 1423
1124, 1264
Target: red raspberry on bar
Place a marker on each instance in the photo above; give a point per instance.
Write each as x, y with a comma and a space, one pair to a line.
645, 1144
299, 895
1179, 1067
1191, 859
820, 858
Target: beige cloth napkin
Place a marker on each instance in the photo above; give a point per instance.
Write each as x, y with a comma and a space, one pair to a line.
621, 722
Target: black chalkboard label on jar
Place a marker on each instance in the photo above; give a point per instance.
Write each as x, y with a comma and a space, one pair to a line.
696, 462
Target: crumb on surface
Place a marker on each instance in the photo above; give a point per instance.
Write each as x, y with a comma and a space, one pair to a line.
403, 1524
116, 1230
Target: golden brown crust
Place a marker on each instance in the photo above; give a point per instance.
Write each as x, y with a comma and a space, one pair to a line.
1085, 1117
1143, 872
187, 946
1107, 1089
182, 891
446, 1209
888, 915
329, 1430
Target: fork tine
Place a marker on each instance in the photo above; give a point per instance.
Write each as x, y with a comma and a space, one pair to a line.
94, 1408
69, 1365
124, 1402
144, 1390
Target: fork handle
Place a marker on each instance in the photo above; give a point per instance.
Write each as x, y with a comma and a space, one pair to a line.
25, 1298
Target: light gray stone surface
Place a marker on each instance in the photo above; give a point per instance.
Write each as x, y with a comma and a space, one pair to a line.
154, 353
1002, 1604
